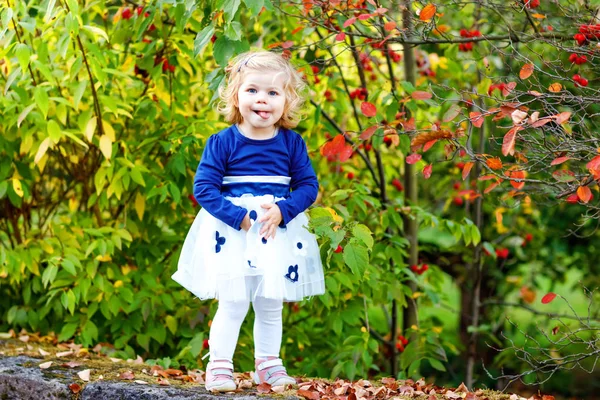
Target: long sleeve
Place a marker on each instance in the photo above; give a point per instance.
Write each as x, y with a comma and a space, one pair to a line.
304, 184
208, 181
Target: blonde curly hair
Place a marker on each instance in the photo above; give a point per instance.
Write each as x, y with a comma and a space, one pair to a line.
262, 60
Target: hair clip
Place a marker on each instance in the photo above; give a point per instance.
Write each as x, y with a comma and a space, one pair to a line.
245, 62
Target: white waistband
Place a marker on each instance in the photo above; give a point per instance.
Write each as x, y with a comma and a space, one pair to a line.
257, 178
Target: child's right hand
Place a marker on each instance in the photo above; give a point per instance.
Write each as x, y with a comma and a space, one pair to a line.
246, 222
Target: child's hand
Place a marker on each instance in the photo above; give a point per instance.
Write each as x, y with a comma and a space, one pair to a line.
246, 222
272, 218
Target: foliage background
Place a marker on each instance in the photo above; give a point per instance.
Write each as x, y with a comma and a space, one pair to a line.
105, 110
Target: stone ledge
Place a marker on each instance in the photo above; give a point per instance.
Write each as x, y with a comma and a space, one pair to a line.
22, 379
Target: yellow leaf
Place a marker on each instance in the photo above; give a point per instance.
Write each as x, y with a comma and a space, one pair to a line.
73, 204
106, 146
437, 329
42, 150
363, 329
416, 295
46, 247
555, 87
109, 131
17, 187
118, 283
538, 16
104, 258
140, 205
427, 12
90, 128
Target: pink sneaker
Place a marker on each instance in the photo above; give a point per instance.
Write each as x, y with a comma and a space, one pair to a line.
272, 371
219, 376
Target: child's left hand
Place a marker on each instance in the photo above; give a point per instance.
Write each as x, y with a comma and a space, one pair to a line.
272, 218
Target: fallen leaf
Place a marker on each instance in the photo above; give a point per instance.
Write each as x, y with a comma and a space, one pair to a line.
84, 375
24, 338
44, 352
65, 353
75, 388
174, 372
128, 375
163, 382
264, 388
115, 360
278, 389
46, 365
139, 382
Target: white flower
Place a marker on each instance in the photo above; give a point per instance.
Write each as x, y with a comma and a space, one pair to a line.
300, 247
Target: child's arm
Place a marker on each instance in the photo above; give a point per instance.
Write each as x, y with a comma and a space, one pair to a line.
304, 184
208, 182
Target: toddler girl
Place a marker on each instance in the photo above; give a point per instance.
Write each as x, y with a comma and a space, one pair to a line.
249, 242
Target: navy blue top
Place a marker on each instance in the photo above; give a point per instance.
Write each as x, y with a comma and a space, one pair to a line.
231, 154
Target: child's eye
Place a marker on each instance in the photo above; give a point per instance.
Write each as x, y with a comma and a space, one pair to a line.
272, 93
252, 90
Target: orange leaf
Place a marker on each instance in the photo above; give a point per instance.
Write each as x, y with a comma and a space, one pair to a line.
466, 170
298, 29
476, 119
526, 71
560, 160
419, 95
594, 164
428, 145
548, 298
508, 144
427, 171
494, 163
368, 109
492, 186
555, 87
562, 117
515, 179
389, 25
427, 12
368, 132
584, 193
308, 4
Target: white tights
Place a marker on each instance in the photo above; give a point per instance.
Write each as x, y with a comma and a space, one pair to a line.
226, 325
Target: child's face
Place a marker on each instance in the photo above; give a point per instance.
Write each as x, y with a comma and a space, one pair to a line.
261, 100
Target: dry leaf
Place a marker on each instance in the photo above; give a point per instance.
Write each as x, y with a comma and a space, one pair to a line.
518, 116
163, 382
75, 388
46, 365
265, 388
128, 375
84, 375
140, 382
44, 352
65, 353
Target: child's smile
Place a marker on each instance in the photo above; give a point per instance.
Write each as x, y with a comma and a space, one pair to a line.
261, 100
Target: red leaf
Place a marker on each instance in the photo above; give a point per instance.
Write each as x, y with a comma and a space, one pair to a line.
584, 193
420, 95
287, 45
263, 388
508, 88
541, 122
368, 109
428, 145
413, 158
333, 147
364, 17
389, 25
349, 22
427, 171
514, 176
508, 144
345, 153
308, 394
466, 170
560, 160
476, 119
368, 132
562, 117
340, 37
75, 388
548, 298
594, 164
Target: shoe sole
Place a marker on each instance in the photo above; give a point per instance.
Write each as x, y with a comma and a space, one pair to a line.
281, 381
224, 387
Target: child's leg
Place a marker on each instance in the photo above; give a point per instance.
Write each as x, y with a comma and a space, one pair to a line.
267, 327
267, 342
225, 329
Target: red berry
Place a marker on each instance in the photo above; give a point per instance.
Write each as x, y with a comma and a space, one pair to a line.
315, 69
462, 153
139, 10
424, 268
403, 340
295, 308
126, 13
529, 237
580, 38
368, 147
399, 346
397, 184
458, 201
151, 27
583, 82
460, 165
213, 38
339, 249
532, 3
456, 186
205, 344
414, 268
350, 175
573, 58
581, 60
502, 253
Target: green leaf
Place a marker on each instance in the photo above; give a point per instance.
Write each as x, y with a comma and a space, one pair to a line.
143, 340
171, 323
41, 99
69, 266
94, 32
49, 274
202, 39
23, 53
356, 258
67, 331
254, 5
234, 30
436, 364
7, 14
54, 131
475, 235
197, 344
229, 7
364, 234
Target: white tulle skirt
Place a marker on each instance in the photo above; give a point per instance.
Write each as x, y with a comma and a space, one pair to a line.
217, 261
